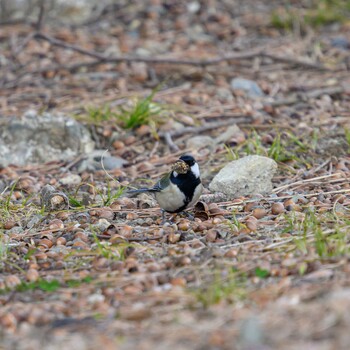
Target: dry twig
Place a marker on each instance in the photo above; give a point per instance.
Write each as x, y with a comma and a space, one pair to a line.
191, 62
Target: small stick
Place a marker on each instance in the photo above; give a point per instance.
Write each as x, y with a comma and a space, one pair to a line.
173, 147
40, 21
301, 182
201, 63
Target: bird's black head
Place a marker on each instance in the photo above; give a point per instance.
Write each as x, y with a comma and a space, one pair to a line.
188, 159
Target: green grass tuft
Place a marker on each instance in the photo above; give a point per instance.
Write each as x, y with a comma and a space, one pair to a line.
319, 13
229, 288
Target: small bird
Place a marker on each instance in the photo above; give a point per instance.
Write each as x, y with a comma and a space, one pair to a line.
179, 189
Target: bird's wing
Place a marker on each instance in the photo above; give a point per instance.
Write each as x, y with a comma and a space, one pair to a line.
162, 183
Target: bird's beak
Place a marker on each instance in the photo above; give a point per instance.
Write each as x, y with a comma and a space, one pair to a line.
180, 167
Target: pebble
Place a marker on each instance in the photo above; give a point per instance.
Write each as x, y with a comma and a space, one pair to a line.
259, 213
12, 281
71, 180
211, 235
277, 208
32, 275
252, 223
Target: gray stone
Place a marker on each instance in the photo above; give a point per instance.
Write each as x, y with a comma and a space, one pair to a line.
224, 94
92, 161
251, 334
251, 88
102, 225
198, 142
71, 179
228, 134
34, 139
340, 42
34, 220
248, 175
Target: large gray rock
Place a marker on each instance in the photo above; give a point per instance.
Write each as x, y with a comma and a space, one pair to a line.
248, 175
34, 139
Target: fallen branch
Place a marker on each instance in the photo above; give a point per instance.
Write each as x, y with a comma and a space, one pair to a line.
302, 182
294, 60
332, 90
192, 62
169, 141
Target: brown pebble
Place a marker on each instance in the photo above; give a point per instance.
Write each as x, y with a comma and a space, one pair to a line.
174, 237
56, 224
200, 228
9, 224
80, 244
134, 313
118, 144
125, 230
127, 202
183, 225
259, 213
340, 198
131, 216
18, 195
277, 208
34, 266
295, 207
63, 215
232, 253
130, 140
32, 275
9, 321
133, 290
212, 206
145, 166
61, 241
40, 256
249, 206
197, 244
288, 202
45, 243
252, 223
267, 138
211, 235
178, 281
143, 130
217, 220
185, 260
12, 281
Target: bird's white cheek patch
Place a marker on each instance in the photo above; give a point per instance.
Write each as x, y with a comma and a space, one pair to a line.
175, 173
195, 170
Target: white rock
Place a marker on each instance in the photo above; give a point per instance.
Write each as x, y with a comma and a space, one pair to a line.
71, 179
198, 142
248, 175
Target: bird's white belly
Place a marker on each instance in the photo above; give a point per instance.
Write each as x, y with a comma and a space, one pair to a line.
171, 198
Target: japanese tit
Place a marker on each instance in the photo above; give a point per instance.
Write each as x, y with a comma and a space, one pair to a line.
179, 189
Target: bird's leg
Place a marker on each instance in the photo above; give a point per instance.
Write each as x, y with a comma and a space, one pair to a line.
163, 216
190, 216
